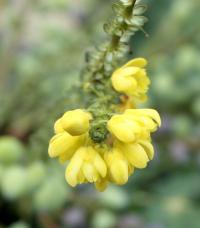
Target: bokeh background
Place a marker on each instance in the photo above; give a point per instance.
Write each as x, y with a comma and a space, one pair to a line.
42, 46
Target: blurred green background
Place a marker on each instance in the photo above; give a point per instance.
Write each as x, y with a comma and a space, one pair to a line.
42, 46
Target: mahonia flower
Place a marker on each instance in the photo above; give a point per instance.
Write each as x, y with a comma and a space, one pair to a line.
128, 143
75, 122
132, 147
131, 79
86, 165
72, 142
134, 124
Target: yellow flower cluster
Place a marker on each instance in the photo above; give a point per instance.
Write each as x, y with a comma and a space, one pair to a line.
131, 79
128, 145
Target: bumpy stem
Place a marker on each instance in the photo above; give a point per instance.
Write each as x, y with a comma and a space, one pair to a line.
102, 62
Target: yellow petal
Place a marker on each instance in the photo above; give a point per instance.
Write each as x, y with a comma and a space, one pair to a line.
124, 72
123, 128
81, 177
147, 145
147, 112
137, 62
143, 82
89, 172
117, 166
76, 122
62, 143
154, 115
100, 165
124, 84
146, 122
64, 157
72, 172
58, 127
136, 155
119, 172
74, 167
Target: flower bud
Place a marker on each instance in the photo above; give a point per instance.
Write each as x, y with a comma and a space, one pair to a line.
76, 122
134, 124
131, 79
63, 143
118, 166
123, 128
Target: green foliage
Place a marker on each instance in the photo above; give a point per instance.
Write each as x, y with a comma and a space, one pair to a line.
14, 182
51, 196
114, 198
11, 150
19, 225
103, 219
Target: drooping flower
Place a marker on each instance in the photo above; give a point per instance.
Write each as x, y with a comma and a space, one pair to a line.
86, 165
131, 79
133, 124
75, 122
70, 133
138, 154
118, 171
64, 144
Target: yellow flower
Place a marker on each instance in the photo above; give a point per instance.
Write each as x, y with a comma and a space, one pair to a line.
86, 165
63, 144
138, 154
133, 124
58, 127
123, 128
131, 79
118, 167
92, 163
75, 122
148, 113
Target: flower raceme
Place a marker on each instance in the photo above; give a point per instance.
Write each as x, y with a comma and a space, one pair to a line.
129, 146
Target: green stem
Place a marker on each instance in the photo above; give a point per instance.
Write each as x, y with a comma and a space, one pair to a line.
104, 62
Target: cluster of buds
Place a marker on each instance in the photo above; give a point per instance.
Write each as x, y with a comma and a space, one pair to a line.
131, 79
126, 147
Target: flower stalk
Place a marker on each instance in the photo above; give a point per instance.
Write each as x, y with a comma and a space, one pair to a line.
104, 60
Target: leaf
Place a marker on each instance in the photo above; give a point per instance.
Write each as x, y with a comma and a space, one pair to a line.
184, 184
